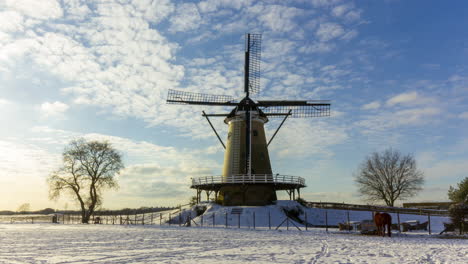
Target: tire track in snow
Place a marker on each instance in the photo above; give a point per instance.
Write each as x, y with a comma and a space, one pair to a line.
323, 252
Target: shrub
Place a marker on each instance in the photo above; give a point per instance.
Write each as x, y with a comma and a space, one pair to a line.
458, 214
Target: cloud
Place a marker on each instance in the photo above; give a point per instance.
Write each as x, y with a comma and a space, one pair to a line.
186, 18
279, 18
44, 9
4, 102
409, 98
463, 115
296, 140
56, 109
371, 105
340, 10
329, 31
443, 169
324, 3
387, 120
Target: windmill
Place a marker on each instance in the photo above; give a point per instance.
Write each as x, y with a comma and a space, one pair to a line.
247, 177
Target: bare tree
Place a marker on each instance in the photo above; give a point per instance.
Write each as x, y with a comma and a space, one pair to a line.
88, 168
26, 207
389, 176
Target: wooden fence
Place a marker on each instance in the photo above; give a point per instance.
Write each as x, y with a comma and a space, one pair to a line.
376, 208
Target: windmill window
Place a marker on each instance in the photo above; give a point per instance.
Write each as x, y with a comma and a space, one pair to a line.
255, 133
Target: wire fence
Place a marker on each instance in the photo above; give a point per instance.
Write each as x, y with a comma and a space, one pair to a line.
326, 216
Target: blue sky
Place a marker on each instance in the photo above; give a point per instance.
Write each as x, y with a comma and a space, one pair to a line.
395, 71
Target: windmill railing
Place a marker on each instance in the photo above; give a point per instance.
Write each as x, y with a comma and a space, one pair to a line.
249, 179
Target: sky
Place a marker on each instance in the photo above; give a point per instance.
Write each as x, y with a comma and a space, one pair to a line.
395, 72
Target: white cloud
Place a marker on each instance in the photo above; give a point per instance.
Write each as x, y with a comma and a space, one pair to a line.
279, 18
350, 35
409, 98
324, 3
385, 121
44, 9
56, 109
340, 10
296, 140
371, 105
4, 102
11, 21
446, 169
186, 18
463, 115
317, 47
329, 31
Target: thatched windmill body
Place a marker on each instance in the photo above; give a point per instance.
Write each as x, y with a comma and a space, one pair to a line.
247, 177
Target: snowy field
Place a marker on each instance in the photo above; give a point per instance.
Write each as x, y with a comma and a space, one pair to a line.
51, 243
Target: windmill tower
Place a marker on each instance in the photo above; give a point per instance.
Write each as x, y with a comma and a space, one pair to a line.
247, 177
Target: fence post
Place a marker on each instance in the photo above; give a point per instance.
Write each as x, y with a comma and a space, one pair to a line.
143, 219
269, 220
287, 223
180, 217
253, 220
169, 219
202, 220
348, 225
399, 226
151, 218
326, 220
238, 220
160, 219
135, 217
213, 219
226, 219
306, 223
429, 221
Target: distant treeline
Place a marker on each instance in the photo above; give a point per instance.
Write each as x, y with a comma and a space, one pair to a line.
124, 211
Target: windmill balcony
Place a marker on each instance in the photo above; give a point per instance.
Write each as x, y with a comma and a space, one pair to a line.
280, 182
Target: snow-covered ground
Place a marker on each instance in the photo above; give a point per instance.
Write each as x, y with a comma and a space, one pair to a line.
23, 242
52, 243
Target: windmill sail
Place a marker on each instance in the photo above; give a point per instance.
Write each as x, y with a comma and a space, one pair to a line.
253, 51
181, 97
299, 109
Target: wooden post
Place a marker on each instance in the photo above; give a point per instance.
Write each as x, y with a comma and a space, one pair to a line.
226, 219
213, 219
429, 221
287, 223
180, 216
143, 219
326, 220
269, 220
253, 220
348, 225
160, 219
151, 218
169, 219
238, 220
135, 217
399, 226
202, 220
306, 223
